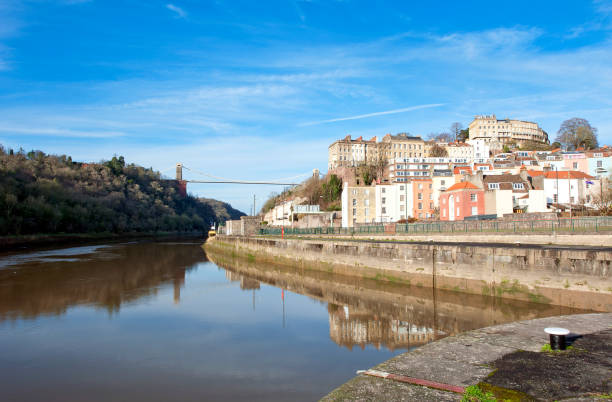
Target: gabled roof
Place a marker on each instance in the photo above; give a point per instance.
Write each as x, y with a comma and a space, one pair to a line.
460, 169
464, 185
572, 174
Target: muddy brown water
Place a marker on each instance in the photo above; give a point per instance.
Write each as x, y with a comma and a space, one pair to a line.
160, 321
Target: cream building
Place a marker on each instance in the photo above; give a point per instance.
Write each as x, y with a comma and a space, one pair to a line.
499, 132
351, 152
459, 150
403, 146
358, 205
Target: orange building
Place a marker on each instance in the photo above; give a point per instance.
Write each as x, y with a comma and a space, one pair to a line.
423, 203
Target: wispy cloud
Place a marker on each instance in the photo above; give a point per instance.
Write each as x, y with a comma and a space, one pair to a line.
364, 116
57, 132
180, 13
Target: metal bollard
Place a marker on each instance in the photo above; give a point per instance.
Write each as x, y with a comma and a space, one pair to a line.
557, 337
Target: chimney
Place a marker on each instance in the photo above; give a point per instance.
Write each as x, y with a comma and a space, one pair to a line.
179, 172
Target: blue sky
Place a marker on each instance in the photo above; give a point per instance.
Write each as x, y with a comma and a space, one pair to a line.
258, 90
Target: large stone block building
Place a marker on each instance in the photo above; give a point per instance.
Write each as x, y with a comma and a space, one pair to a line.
498, 132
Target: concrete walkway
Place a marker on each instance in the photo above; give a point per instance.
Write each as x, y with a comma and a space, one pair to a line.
469, 358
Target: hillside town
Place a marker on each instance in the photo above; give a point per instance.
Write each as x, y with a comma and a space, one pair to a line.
496, 168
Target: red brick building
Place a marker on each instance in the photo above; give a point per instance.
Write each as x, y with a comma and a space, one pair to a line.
460, 201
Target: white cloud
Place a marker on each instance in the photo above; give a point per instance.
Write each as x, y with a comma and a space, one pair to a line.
57, 132
363, 116
180, 13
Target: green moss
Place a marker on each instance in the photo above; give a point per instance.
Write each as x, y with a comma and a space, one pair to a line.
548, 349
250, 258
474, 394
420, 269
486, 291
503, 394
566, 284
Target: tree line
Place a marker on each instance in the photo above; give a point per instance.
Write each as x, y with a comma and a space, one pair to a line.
48, 194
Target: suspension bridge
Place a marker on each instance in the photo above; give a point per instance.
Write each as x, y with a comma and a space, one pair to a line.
210, 179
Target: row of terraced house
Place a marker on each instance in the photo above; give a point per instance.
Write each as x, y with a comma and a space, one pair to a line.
473, 181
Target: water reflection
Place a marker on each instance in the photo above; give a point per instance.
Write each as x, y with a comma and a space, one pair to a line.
367, 312
157, 322
102, 276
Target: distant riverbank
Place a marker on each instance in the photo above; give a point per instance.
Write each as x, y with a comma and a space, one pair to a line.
38, 240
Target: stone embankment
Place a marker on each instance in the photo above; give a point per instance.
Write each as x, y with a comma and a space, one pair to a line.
507, 360
572, 276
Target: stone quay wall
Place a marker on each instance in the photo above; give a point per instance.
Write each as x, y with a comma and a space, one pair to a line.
579, 277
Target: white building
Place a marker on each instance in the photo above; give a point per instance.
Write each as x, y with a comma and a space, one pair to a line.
481, 148
393, 202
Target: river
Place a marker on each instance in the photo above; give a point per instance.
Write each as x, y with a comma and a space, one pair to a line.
159, 321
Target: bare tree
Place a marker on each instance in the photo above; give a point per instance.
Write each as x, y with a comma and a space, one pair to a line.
436, 151
577, 132
603, 200
440, 137
455, 130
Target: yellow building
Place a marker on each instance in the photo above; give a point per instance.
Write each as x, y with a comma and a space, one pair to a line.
499, 132
403, 146
358, 205
354, 152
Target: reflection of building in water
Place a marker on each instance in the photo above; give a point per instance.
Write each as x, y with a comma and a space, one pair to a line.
178, 281
349, 327
246, 283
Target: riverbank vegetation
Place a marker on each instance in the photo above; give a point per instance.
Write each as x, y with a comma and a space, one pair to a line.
325, 192
42, 193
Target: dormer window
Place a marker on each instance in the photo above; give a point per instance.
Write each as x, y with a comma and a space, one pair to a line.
493, 186
517, 186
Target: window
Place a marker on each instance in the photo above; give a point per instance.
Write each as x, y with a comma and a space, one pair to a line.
367, 192
575, 165
420, 214
384, 200
473, 197
366, 202
443, 200
420, 205
599, 164
431, 206
383, 191
366, 211
430, 186
401, 188
493, 186
572, 200
444, 212
420, 186
420, 196
458, 211
442, 182
474, 211
588, 198
555, 198
354, 211
430, 196
354, 202
401, 207
401, 198
517, 186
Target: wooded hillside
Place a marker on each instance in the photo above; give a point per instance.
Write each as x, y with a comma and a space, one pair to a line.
42, 193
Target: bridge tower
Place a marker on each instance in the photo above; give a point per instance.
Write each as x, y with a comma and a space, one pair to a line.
182, 184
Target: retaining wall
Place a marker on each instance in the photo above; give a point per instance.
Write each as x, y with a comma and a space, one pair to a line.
572, 277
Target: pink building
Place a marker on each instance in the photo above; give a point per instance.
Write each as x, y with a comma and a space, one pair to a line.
460, 201
576, 161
